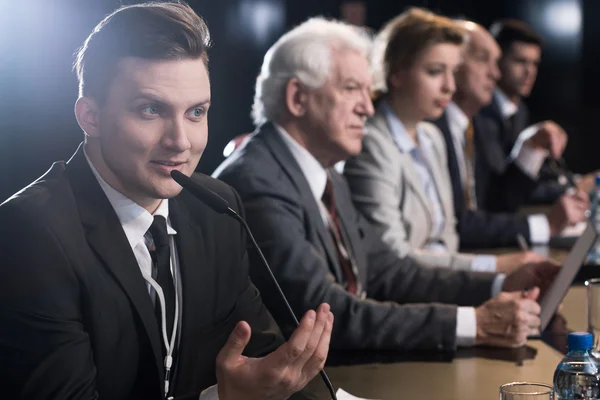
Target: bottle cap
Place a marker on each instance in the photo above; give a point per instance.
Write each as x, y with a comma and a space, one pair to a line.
580, 341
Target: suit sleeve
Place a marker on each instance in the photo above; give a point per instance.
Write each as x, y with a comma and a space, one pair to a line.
44, 351
280, 228
510, 188
375, 179
480, 229
266, 335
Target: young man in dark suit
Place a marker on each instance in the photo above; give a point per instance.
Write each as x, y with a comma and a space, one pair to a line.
521, 56
114, 283
484, 175
312, 99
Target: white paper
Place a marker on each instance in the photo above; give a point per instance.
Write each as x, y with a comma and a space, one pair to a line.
343, 395
574, 230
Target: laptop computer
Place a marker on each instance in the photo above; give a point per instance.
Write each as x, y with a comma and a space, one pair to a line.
557, 291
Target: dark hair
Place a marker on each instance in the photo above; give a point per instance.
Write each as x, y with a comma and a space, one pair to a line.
508, 31
155, 31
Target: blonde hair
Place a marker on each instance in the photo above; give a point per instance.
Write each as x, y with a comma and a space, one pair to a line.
402, 39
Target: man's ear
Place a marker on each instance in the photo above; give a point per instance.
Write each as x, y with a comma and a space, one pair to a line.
296, 97
87, 113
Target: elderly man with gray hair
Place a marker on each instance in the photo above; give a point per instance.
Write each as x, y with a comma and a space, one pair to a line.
312, 101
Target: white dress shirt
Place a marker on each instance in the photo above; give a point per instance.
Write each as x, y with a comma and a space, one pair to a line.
423, 157
313, 171
539, 228
316, 175
136, 221
527, 158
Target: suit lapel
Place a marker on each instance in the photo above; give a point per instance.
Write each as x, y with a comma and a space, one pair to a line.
285, 158
521, 120
440, 181
487, 139
107, 238
411, 177
489, 156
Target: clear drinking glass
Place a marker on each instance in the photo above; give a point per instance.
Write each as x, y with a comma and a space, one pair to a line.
593, 313
526, 391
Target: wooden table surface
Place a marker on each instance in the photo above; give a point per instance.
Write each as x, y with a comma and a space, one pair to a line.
472, 377
468, 376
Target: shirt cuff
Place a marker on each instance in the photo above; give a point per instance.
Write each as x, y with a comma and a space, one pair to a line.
528, 159
466, 326
211, 393
484, 263
497, 285
437, 247
539, 229
466, 321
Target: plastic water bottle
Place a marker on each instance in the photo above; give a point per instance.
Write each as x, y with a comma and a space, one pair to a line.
594, 255
577, 377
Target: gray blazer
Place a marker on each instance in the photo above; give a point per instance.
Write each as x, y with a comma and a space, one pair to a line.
285, 219
386, 188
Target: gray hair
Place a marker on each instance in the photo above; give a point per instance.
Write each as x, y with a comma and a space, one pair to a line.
303, 53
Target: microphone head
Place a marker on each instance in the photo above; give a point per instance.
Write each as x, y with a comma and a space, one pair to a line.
207, 196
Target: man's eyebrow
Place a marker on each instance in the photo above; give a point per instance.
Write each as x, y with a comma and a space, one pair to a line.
202, 103
148, 96
158, 100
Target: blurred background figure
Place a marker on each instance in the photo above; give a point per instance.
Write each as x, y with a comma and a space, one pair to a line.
477, 164
521, 56
354, 12
400, 181
311, 104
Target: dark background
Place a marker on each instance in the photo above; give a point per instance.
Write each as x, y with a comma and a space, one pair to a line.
38, 88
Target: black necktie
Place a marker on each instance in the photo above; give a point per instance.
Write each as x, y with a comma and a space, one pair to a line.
161, 256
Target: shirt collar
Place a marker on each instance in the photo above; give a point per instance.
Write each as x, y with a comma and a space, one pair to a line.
457, 117
507, 107
312, 169
134, 219
402, 138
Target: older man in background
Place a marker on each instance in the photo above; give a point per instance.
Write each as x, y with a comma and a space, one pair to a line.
312, 100
481, 173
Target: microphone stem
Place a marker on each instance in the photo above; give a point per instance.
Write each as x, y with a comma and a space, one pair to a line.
274, 280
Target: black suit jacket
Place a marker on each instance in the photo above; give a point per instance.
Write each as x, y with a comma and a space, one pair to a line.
286, 221
75, 315
508, 132
483, 228
546, 189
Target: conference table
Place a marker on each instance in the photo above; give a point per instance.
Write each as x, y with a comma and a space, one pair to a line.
473, 373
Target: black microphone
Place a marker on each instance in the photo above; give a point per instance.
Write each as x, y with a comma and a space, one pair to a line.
221, 206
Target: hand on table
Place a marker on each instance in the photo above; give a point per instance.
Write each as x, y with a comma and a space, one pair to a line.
508, 319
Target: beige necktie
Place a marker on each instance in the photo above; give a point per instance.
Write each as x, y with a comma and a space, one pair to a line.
469, 151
